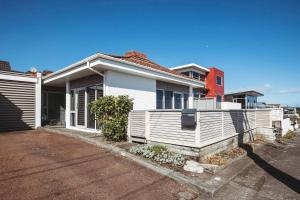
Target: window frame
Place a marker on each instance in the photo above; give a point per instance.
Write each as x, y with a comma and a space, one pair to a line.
181, 100
163, 99
220, 79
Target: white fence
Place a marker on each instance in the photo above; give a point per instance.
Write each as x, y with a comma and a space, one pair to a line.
212, 126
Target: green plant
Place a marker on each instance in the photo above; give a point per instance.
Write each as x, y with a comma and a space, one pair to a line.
112, 115
159, 153
290, 135
158, 149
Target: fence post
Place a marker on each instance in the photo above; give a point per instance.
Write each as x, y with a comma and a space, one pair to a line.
147, 125
128, 127
222, 124
197, 130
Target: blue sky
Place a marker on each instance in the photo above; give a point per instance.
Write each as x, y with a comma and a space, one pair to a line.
256, 43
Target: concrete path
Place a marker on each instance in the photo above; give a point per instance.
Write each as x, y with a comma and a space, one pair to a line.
275, 174
39, 165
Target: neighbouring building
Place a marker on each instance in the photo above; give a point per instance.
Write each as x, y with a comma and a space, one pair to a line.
247, 99
210, 96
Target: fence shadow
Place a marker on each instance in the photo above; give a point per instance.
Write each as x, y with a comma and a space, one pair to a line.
281, 176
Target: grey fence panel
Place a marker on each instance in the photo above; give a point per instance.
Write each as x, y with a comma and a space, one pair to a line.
137, 124
210, 126
263, 118
166, 127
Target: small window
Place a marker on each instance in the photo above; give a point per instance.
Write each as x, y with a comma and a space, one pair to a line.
196, 93
196, 75
159, 99
219, 80
186, 73
168, 99
178, 101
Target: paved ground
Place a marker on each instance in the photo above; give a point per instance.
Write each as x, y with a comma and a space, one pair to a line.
275, 174
39, 165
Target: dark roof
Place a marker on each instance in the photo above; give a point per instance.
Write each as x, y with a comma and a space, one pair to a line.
247, 92
140, 58
5, 66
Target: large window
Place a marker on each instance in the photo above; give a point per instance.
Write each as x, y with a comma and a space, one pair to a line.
171, 100
159, 99
168, 99
219, 80
219, 98
178, 100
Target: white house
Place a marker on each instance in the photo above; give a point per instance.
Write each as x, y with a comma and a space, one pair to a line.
149, 84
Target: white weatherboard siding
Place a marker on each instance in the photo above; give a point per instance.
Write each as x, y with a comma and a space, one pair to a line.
212, 126
142, 90
230, 105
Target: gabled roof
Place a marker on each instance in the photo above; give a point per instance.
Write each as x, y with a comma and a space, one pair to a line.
140, 58
133, 60
190, 65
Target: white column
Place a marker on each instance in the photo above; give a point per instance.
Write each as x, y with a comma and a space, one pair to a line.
105, 91
68, 105
38, 100
191, 97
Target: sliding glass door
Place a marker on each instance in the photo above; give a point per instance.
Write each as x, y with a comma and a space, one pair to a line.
81, 115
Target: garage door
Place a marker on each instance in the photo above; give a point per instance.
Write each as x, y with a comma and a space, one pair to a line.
17, 105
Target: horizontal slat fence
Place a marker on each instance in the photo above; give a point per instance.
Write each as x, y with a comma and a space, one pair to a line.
212, 126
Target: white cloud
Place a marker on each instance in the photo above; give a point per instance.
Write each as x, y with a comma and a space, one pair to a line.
288, 91
264, 89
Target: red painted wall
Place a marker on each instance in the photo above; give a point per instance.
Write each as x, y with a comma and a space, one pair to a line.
211, 83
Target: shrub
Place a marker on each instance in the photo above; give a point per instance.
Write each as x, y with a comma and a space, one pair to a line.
290, 135
159, 153
112, 115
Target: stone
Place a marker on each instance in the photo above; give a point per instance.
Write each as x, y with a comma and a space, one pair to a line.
193, 166
209, 167
185, 196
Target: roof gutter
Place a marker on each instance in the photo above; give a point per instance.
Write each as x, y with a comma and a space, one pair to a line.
93, 70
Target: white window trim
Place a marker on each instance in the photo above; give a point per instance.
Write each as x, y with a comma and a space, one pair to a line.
173, 99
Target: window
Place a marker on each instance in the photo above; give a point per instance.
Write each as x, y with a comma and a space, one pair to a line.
159, 99
186, 73
202, 77
178, 100
196, 75
219, 98
185, 101
196, 93
168, 99
219, 80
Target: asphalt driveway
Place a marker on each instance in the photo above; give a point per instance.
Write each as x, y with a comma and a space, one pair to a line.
40, 165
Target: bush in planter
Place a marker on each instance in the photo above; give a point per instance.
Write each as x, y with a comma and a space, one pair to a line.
112, 115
